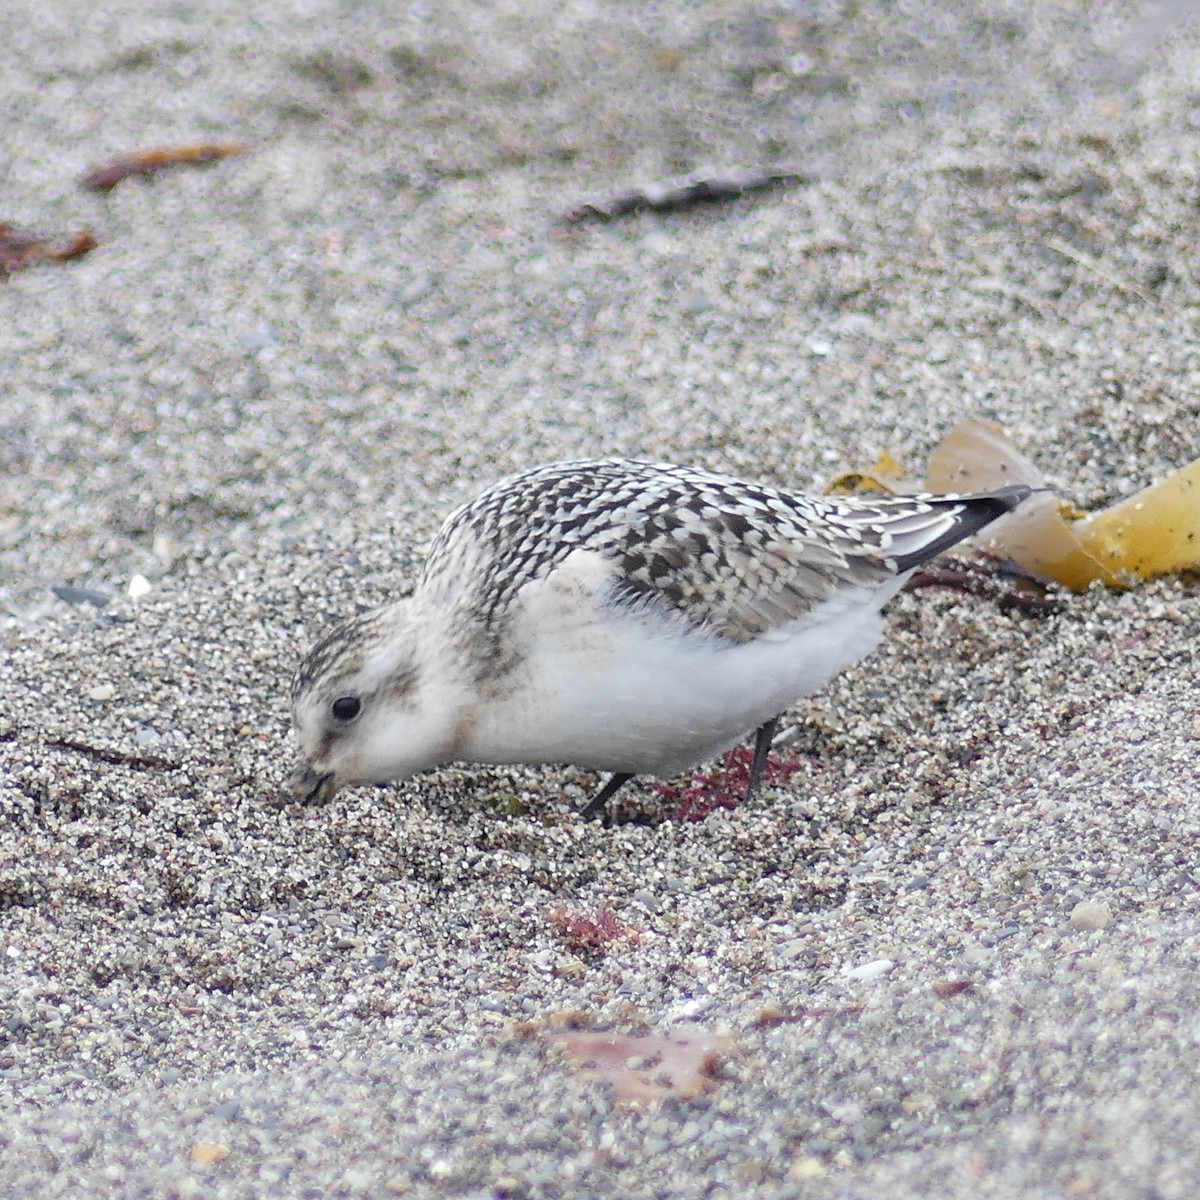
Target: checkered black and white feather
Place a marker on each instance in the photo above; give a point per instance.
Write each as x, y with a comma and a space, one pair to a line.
735, 559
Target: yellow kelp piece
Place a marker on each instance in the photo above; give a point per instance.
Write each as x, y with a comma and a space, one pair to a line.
1153, 533
887, 476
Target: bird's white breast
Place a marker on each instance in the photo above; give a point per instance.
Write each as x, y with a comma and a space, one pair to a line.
627, 690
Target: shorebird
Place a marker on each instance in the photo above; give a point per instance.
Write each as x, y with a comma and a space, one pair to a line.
625, 616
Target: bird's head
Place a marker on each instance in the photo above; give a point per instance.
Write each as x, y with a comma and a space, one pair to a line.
371, 703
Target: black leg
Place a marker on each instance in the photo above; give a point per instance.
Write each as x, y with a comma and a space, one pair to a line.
762, 747
615, 783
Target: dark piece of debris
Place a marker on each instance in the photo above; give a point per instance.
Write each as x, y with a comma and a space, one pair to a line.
20, 250
78, 595
150, 162
684, 193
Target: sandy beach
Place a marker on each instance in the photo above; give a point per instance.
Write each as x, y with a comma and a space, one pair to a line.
953, 949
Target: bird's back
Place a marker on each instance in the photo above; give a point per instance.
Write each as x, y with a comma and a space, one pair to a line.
732, 558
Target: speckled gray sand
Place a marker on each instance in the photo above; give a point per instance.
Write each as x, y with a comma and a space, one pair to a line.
274, 377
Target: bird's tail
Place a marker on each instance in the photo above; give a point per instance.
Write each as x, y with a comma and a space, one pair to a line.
935, 523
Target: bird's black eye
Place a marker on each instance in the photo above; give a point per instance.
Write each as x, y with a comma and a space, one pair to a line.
346, 708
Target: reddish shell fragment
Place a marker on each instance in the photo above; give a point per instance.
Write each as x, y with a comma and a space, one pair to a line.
947, 988
644, 1068
773, 1015
150, 162
20, 250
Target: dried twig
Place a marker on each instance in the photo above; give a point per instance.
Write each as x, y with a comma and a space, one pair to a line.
120, 758
683, 193
1090, 264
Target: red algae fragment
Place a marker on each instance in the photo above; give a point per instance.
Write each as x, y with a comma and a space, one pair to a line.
586, 932
726, 786
20, 250
150, 162
1002, 580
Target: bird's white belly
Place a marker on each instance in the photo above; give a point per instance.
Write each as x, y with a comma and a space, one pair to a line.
626, 691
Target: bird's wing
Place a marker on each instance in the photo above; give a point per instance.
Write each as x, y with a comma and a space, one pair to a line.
737, 559
758, 560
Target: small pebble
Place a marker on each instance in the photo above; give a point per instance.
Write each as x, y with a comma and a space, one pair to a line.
870, 970
1090, 915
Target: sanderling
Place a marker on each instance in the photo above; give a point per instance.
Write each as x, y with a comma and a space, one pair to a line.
625, 616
